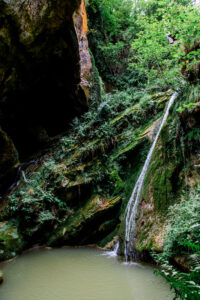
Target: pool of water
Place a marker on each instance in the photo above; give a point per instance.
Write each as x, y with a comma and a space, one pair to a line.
79, 274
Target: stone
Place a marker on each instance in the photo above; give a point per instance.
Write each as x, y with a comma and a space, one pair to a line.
80, 21
1, 276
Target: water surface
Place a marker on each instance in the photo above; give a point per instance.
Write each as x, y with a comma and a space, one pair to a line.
79, 274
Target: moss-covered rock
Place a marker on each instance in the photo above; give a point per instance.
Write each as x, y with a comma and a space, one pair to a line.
78, 195
10, 240
89, 224
79, 191
166, 179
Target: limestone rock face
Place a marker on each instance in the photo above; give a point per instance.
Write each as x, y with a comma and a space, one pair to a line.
80, 21
44, 68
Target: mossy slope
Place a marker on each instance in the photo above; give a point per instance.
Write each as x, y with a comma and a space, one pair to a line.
77, 194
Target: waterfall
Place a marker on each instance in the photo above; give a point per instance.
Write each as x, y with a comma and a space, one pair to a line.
114, 252
116, 248
131, 210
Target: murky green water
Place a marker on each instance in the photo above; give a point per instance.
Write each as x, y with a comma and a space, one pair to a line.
79, 274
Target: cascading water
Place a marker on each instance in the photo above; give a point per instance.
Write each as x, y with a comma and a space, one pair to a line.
131, 210
114, 252
116, 248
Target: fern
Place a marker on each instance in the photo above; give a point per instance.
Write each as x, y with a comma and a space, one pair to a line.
182, 239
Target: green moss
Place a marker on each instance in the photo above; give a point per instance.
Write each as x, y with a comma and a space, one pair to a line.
92, 210
145, 246
108, 238
127, 112
132, 167
10, 241
133, 139
162, 187
131, 146
160, 179
117, 181
95, 93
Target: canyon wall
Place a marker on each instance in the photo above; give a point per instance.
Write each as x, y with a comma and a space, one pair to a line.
44, 72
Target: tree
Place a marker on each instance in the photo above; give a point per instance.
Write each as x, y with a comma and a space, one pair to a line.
165, 42
110, 23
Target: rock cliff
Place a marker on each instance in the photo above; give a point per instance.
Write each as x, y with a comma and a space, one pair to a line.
44, 71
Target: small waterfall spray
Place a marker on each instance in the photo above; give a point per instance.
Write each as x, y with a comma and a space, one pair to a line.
116, 248
114, 252
131, 210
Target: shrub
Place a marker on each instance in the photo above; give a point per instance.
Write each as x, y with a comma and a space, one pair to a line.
182, 240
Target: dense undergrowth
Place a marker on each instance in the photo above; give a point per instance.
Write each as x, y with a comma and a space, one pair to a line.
182, 243
143, 54
95, 151
144, 45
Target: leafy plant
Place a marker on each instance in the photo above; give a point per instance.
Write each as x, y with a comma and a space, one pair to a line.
182, 240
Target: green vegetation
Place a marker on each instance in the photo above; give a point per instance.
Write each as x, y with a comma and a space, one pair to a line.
141, 54
164, 43
145, 45
34, 204
94, 152
182, 245
150, 47
92, 162
10, 240
110, 32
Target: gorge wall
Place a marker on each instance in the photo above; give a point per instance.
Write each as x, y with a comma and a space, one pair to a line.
77, 193
44, 69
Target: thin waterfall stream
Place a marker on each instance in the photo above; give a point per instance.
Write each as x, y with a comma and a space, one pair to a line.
131, 210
